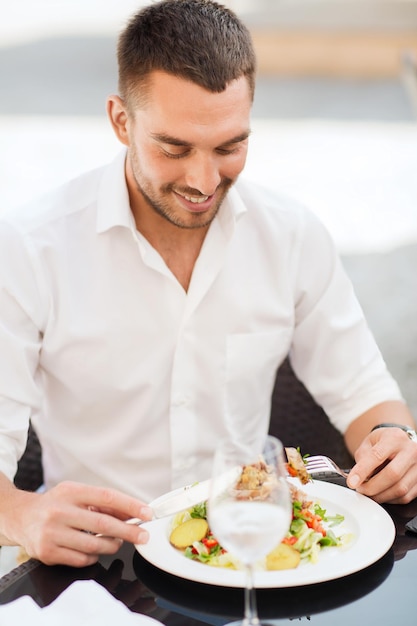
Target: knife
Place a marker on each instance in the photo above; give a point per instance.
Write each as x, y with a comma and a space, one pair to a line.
174, 502
180, 499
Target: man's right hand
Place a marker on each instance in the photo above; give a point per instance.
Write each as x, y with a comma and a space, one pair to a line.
61, 525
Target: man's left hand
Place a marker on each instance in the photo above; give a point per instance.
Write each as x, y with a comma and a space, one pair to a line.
386, 467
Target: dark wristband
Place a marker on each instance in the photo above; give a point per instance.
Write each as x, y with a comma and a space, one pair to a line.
407, 429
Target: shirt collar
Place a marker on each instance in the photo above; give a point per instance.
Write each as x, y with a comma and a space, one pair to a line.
113, 206
233, 206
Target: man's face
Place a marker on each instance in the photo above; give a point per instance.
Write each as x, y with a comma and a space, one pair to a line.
186, 148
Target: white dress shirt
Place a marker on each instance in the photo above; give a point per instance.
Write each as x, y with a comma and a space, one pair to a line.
129, 380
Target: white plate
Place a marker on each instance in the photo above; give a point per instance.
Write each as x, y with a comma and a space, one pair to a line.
373, 534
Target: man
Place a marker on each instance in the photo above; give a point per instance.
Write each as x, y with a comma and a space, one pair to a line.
146, 306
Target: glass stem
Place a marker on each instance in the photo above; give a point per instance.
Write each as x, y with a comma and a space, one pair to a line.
251, 613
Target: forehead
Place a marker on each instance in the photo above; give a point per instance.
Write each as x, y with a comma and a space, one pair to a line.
177, 106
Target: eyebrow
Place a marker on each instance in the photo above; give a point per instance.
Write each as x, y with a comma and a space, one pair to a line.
174, 141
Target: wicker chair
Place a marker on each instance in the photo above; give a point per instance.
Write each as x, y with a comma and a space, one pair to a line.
29, 475
299, 421
295, 418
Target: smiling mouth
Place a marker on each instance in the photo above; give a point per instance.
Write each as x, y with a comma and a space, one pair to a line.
194, 199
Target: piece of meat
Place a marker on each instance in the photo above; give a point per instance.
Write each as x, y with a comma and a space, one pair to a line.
296, 466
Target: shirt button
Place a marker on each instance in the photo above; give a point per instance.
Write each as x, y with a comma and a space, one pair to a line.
180, 400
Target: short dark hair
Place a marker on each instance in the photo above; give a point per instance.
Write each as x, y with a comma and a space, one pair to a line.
197, 40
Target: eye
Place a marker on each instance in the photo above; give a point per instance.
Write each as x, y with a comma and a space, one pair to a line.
226, 151
231, 148
175, 155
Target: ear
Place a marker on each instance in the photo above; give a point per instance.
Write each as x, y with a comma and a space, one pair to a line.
118, 117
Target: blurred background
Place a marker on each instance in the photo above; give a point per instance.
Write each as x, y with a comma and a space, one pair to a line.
334, 121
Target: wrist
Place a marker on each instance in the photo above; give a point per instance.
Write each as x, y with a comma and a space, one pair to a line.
412, 435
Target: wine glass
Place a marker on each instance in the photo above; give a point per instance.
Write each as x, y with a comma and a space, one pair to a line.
249, 507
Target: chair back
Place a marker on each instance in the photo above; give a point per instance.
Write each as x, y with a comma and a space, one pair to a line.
29, 475
298, 421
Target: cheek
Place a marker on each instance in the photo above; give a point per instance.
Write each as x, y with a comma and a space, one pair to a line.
161, 167
234, 165
165, 172
155, 168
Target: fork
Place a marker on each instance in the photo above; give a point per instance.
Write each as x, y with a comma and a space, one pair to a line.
322, 467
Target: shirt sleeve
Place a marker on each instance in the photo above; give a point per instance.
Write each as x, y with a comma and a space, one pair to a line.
20, 340
334, 352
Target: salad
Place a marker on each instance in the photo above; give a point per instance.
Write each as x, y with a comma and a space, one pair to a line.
311, 530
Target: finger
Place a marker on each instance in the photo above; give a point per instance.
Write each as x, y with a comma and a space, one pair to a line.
86, 542
116, 503
399, 493
402, 499
104, 499
67, 535
396, 483
53, 554
106, 526
73, 558
386, 495
385, 475
93, 520
370, 459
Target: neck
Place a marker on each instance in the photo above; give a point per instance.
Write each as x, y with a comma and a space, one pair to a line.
179, 247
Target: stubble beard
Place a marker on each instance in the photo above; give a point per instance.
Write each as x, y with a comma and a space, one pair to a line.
163, 207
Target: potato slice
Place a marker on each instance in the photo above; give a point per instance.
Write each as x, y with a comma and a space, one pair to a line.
283, 557
185, 534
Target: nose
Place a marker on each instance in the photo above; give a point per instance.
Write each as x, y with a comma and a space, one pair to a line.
203, 174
